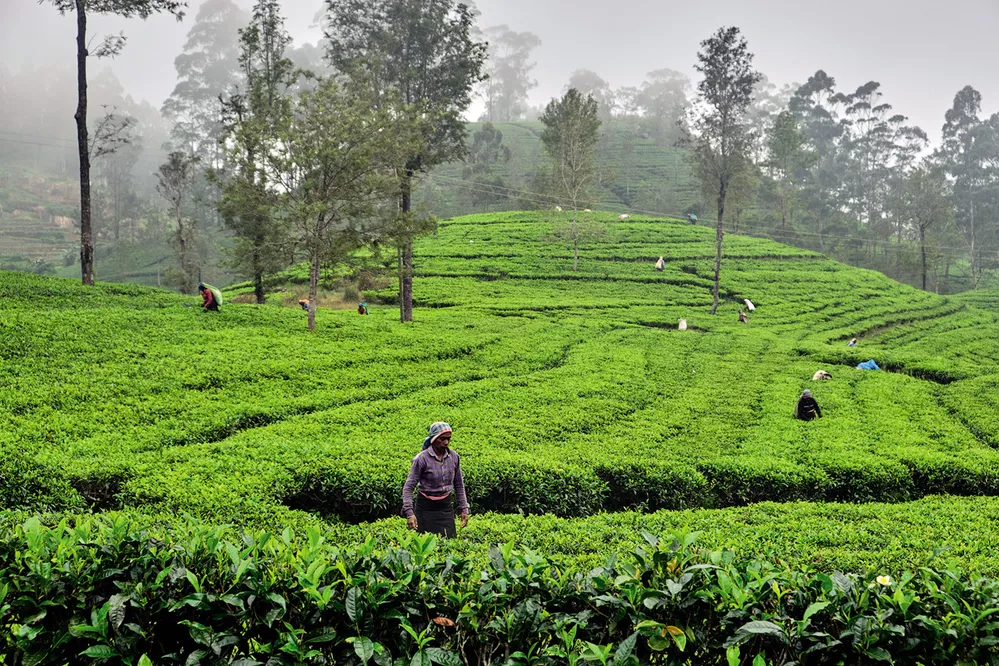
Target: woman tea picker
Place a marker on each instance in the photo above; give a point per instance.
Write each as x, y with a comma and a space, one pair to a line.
435, 475
807, 408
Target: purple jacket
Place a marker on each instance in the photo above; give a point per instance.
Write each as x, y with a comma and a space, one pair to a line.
435, 477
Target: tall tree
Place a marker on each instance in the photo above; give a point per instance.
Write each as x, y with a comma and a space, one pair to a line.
787, 161
424, 51
768, 101
570, 135
176, 177
924, 204
115, 170
486, 152
335, 160
817, 107
112, 45
880, 147
589, 84
720, 137
663, 100
207, 67
249, 117
509, 68
969, 155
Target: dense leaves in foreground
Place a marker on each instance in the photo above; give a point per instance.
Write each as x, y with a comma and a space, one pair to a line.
108, 589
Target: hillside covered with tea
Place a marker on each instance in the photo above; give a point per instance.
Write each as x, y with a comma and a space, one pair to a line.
571, 392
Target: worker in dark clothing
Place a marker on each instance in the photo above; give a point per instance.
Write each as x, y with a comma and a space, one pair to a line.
692, 218
304, 304
807, 408
362, 308
743, 317
208, 300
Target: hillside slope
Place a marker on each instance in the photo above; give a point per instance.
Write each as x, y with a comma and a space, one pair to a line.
570, 391
635, 173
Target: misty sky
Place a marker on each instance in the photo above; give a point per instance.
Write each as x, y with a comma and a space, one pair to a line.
922, 51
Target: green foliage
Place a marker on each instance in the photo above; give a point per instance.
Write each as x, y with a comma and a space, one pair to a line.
570, 135
570, 392
193, 593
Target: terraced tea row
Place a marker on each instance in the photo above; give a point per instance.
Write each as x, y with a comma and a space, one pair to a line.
571, 392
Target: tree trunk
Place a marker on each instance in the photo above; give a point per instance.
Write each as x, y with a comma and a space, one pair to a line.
398, 261
313, 289
407, 281
406, 255
83, 145
974, 272
258, 276
116, 202
783, 220
182, 245
922, 249
575, 242
720, 234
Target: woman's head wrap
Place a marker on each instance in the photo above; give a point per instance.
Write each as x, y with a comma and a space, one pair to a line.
436, 430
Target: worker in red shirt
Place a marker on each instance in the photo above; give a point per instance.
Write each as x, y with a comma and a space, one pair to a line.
208, 298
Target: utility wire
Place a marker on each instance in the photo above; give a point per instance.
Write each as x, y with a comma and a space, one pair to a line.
33, 143
72, 141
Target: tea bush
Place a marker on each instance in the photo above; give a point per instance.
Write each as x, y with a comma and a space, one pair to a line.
571, 392
118, 591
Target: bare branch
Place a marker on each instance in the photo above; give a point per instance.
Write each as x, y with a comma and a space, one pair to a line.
110, 47
113, 131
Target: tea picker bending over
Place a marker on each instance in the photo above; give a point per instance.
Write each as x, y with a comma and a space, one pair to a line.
434, 476
210, 299
807, 408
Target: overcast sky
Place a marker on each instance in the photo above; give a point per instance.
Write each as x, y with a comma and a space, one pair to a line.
922, 51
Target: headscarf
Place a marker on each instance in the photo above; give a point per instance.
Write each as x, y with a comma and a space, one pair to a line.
436, 430
806, 394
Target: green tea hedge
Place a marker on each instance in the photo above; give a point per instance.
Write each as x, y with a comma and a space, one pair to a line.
110, 590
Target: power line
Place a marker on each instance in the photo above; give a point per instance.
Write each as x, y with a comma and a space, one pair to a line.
34, 143
39, 136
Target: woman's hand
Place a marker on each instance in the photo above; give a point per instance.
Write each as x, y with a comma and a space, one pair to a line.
411, 522
464, 520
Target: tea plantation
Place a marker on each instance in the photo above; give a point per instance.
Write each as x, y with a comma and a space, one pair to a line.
220, 487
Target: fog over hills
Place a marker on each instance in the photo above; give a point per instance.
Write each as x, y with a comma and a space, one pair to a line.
922, 51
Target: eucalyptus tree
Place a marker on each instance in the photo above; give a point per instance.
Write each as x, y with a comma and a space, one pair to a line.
423, 52
590, 84
109, 47
662, 100
787, 161
249, 131
969, 155
570, 136
486, 152
924, 204
509, 68
880, 148
207, 67
175, 182
718, 131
